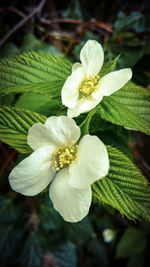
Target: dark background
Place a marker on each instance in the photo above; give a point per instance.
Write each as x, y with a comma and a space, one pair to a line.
31, 232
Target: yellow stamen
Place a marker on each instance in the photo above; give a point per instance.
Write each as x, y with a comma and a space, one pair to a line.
88, 86
64, 156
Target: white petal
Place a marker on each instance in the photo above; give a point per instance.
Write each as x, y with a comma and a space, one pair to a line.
112, 82
33, 174
75, 66
92, 165
70, 90
39, 135
83, 105
92, 57
71, 203
63, 130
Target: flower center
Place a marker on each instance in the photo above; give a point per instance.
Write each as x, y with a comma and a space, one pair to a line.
88, 86
64, 156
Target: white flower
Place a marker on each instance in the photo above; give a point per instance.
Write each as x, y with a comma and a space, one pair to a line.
71, 166
108, 235
84, 88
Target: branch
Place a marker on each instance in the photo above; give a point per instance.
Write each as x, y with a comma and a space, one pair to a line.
7, 162
104, 26
13, 9
22, 22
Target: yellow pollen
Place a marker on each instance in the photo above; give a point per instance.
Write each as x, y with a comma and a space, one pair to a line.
64, 156
88, 86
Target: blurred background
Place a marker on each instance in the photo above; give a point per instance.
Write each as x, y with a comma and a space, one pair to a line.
31, 232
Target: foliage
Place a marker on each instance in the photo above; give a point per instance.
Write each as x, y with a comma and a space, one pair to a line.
124, 187
136, 21
15, 124
129, 107
37, 72
125, 190
32, 76
132, 245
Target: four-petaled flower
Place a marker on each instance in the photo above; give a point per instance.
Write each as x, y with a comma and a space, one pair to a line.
69, 164
84, 88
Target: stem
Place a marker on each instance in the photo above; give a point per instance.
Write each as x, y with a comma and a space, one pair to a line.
7, 162
85, 124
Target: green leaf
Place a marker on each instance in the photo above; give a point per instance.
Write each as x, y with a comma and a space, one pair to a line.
108, 67
50, 218
86, 122
7, 99
137, 260
37, 72
14, 126
141, 70
8, 50
73, 11
31, 256
129, 106
9, 212
117, 137
9, 241
79, 232
129, 55
66, 255
111, 134
124, 188
133, 242
136, 21
99, 251
31, 42
40, 103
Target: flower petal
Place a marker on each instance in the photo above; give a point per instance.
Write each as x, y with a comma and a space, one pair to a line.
92, 57
112, 82
70, 90
92, 165
63, 130
71, 203
39, 135
83, 105
75, 66
34, 173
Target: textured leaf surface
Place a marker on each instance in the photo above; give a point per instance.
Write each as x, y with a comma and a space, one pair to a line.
37, 72
129, 106
14, 126
124, 188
